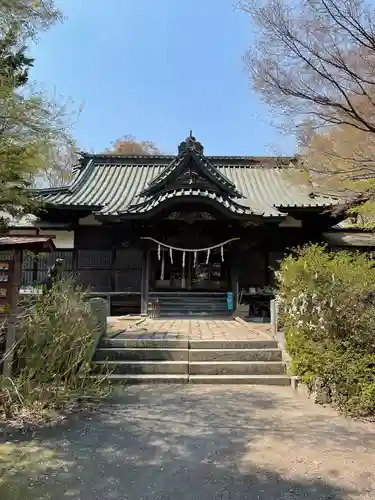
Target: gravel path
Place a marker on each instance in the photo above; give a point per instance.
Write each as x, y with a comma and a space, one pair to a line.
203, 443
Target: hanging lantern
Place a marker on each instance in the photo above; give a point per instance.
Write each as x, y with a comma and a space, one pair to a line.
159, 251
183, 258
171, 255
208, 255
222, 253
195, 259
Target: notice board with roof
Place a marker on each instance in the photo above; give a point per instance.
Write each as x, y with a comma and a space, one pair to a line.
11, 249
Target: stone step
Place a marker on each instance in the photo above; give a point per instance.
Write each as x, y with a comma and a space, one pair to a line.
141, 354
187, 295
193, 355
280, 380
189, 300
193, 307
192, 299
190, 305
194, 368
197, 355
166, 340
237, 368
233, 344
140, 378
145, 367
201, 312
131, 341
194, 314
197, 302
147, 343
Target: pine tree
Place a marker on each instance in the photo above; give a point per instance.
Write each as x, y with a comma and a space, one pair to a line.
14, 63
30, 124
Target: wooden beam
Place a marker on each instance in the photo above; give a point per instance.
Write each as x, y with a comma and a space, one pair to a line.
145, 282
234, 277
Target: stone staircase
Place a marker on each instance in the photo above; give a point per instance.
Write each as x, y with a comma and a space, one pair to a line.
137, 360
190, 304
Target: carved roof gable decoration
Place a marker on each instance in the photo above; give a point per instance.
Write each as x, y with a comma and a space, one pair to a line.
191, 169
191, 144
190, 217
192, 176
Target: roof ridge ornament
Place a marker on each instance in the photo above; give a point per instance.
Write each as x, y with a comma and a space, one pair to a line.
190, 144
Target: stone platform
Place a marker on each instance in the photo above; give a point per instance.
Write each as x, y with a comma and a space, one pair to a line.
230, 329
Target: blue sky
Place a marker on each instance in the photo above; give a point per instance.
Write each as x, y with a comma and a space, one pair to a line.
156, 69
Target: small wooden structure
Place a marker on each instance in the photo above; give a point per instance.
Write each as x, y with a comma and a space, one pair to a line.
11, 250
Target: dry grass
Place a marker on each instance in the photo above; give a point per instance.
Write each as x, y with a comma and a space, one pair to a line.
51, 369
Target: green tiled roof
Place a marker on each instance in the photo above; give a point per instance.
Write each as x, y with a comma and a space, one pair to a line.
225, 201
210, 170
114, 185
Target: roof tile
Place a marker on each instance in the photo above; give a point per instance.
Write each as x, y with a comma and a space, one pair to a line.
114, 187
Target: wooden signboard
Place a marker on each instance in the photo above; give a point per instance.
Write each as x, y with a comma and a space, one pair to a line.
10, 274
7, 267
11, 249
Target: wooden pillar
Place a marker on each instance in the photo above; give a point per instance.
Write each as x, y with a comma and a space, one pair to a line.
36, 262
75, 256
145, 282
183, 274
189, 269
267, 266
234, 277
113, 271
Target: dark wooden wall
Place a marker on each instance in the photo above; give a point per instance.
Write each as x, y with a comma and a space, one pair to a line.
35, 266
103, 264
110, 259
127, 269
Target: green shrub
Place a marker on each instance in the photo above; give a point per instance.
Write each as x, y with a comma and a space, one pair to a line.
55, 337
327, 305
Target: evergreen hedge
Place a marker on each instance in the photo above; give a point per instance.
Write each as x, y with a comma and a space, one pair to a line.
327, 306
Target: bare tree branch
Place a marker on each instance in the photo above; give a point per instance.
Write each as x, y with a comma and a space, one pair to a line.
313, 63
30, 16
305, 58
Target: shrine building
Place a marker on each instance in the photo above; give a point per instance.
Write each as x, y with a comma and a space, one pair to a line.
184, 230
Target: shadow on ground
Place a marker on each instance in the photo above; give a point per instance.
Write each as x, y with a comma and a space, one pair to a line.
199, 443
